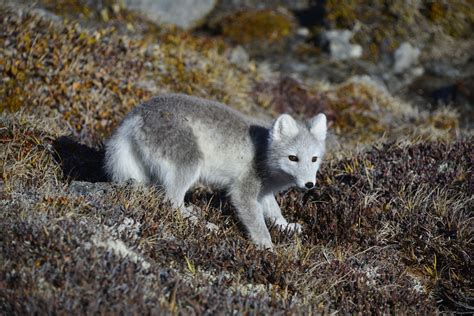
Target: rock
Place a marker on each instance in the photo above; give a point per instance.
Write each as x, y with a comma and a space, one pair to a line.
405, 68
88, 188
185, 14
418, 71
374, 82
405, 57
46, 15
239, 57
443, 69
338, 43
303, 32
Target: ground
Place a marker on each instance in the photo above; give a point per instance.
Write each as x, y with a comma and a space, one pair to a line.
389, 227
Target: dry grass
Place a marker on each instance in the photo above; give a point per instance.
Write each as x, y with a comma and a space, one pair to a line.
91, 77
387, 230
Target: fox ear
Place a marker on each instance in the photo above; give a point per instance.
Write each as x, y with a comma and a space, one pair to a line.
318, 126
284, 127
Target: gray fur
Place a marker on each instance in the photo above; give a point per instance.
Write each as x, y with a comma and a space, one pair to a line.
177, 140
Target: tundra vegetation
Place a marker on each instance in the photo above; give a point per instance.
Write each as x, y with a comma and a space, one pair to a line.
389, 227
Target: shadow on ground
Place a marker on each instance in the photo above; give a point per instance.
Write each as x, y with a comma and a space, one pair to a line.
79, 162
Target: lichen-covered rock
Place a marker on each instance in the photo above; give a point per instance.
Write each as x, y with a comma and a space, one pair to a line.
239, 57
184, 13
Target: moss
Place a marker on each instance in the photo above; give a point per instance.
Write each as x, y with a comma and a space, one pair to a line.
14, 72
69, 7
436, 11
441, 121
455, 17
353, 106
256, 26
342, 13
13, 96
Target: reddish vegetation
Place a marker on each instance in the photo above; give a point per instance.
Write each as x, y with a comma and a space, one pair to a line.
387, 230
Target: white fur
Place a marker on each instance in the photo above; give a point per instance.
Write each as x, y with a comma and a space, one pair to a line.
284, 127
124, 163
226, 156
289, 139
319, 127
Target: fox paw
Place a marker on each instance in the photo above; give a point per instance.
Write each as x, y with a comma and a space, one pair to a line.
295, 227
264, 244
291, 228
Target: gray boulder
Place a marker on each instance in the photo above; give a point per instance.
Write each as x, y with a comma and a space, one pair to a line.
185, 14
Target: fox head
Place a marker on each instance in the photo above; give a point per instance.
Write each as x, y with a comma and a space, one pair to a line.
297, 148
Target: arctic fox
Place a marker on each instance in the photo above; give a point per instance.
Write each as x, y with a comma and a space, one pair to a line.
176, 140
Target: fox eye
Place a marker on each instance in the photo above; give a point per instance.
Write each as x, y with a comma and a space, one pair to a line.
314, 159
293, 158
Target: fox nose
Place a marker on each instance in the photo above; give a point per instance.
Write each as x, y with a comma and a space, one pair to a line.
309, 185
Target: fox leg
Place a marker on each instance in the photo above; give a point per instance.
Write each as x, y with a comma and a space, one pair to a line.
272, 213
250, 214
177, 181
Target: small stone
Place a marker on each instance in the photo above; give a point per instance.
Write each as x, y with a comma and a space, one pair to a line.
303, 32
418, 71
340, 48
443, 69
87, 188
239, 57
405, 57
